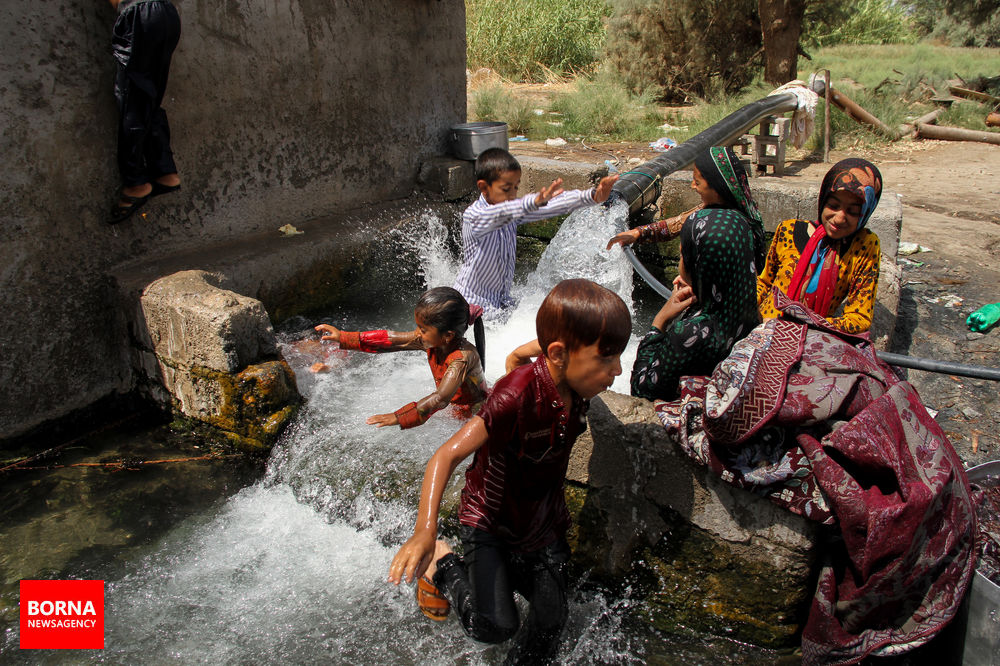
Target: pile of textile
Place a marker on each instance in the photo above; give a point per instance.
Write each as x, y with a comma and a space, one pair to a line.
810, 418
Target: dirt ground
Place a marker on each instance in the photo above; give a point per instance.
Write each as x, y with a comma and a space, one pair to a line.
950, 192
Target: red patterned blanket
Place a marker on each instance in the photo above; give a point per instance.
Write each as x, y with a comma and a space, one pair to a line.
810, 418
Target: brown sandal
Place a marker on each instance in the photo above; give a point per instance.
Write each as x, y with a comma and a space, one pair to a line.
430, 600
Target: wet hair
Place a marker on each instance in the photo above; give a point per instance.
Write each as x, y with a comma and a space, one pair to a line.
579, 313
494, 161
446, 310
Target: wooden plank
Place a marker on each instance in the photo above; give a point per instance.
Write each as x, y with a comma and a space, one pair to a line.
973, 94
855, 111
956, 134
927, 118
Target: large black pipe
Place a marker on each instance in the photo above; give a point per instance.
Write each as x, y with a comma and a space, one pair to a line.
641, 186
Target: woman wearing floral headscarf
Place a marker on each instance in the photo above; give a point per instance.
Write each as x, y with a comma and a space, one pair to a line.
713, 302
721, 182
833, 261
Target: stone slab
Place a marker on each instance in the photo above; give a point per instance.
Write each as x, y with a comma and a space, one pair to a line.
539, 172
713, 555
192, 322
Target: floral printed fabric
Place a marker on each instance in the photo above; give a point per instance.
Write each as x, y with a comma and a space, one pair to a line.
810, 418
853, 301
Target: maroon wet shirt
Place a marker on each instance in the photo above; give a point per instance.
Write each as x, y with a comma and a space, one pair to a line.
514, 487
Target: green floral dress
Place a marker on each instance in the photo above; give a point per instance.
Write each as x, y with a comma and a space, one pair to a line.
718, 248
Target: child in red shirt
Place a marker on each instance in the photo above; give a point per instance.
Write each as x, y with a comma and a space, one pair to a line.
442, 316
513, 510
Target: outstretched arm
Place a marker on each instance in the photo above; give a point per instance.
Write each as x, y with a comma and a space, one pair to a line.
414, 556
603, 189
548, 193
624, 238
657, 232
417, 413
372, 341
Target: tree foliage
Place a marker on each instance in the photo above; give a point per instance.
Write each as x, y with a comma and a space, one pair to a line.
959, 22
858, 22
690, 49
685, 48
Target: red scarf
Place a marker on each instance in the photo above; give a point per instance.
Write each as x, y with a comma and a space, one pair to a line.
821, 256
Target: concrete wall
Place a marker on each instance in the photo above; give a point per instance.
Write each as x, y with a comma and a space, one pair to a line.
280, 111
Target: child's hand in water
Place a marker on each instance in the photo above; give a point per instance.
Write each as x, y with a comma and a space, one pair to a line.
382, 420
624, 238
549, 193
329, 332
603, 189
413, 558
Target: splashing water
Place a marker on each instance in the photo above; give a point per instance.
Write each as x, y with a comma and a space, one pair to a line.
293, 569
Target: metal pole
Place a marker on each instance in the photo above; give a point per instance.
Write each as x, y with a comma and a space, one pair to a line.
826, 119
899, 360
944, 367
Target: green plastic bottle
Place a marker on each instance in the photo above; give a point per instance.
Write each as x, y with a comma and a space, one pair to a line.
983, 318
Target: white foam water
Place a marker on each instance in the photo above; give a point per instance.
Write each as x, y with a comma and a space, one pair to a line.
293, 569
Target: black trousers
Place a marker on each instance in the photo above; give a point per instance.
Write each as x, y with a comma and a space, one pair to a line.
144, 38
481, 586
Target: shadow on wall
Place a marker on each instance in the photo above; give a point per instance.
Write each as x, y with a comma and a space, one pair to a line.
279, 113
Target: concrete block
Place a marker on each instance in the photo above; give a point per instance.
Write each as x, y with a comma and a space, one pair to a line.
723, 556
449, 177
215, 355
194, 323
539, 172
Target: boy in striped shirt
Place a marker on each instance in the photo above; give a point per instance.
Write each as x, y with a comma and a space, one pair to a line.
489, 226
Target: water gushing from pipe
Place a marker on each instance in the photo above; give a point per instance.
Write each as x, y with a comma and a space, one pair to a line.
293, 568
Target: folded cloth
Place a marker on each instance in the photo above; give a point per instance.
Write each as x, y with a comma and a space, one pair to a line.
811, 418
804, 118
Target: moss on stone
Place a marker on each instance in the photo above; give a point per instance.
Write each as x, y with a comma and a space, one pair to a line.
692, 579
254, 405
529, 250
700, 582
543, 229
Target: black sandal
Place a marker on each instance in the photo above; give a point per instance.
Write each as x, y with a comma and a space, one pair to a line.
120, 213
160, 188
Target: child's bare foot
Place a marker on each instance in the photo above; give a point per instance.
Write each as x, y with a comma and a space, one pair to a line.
441, 548
169, 179
319, 366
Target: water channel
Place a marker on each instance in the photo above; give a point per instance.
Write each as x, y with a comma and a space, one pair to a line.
285, 562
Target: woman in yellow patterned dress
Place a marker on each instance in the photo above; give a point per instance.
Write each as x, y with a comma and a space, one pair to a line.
830, 265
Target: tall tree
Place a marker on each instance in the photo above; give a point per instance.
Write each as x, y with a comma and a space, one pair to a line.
781, 27
685, 48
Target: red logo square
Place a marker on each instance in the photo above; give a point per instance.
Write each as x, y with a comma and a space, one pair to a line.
62, 614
